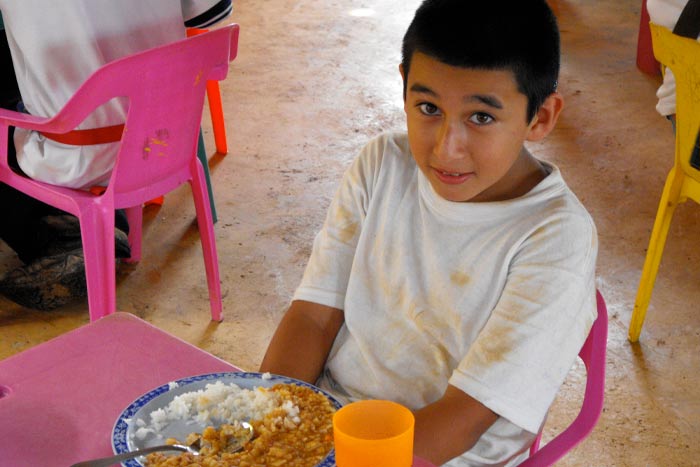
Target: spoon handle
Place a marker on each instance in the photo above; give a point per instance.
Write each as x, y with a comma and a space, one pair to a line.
109, 461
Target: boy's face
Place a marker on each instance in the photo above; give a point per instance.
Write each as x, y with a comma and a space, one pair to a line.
466, 129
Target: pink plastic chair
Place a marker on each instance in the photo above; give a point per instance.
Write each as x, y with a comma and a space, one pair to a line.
157, 153
593, 355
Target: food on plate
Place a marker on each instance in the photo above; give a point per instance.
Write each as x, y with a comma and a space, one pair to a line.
292, 428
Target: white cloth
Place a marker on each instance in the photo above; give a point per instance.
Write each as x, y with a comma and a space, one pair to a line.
495, 298
666, 13
56, 45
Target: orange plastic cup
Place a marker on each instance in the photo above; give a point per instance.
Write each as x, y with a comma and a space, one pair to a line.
373, 433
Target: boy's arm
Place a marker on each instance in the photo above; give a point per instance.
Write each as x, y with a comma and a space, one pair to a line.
450, 426
444, 429
302, 341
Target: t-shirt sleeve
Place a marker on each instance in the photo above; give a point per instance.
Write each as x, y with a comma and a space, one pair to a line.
204, 13
327, 273
531, 340
667, 95
666, 13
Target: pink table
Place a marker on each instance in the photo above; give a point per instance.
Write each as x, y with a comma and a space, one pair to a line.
60, 399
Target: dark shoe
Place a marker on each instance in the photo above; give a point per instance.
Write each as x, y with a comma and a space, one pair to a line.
47, 283
122, 249
65, 236
62, 226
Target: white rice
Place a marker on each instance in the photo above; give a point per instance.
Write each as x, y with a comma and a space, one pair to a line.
217, 403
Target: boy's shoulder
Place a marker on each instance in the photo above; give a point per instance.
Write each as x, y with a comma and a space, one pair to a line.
564, 210
389, 142
387, 151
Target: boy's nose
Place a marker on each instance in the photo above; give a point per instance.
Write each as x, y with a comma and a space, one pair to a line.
451, 141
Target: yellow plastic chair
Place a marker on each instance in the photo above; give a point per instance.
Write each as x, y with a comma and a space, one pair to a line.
682, 56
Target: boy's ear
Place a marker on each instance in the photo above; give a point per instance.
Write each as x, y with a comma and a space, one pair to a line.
546, 118
403, 80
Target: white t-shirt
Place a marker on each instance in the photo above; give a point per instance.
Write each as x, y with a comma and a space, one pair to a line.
57, 45
494, 298
666, 13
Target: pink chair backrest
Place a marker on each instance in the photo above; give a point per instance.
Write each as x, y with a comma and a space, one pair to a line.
593, 355
165, 88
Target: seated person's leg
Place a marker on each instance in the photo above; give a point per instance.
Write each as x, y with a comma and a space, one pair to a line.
45, 282
20, 223
9, 91
47, 240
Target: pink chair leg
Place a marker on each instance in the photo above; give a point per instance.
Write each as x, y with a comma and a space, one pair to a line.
97, 230
206, 232
536, 444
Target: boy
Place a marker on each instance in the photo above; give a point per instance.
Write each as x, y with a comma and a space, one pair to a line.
455, 272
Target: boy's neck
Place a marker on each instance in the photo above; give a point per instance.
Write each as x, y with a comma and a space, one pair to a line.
539, 172
530, 172
525, 174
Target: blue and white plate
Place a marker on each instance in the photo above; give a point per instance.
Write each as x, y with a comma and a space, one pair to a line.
141, 408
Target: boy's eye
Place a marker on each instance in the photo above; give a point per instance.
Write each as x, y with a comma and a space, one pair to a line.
427, 108
481, 118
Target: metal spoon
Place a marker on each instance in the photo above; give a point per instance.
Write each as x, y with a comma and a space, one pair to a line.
192, 449
109, 461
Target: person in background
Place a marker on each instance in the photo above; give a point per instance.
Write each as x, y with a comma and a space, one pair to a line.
54, 47
9, 92
455, 272
666, 13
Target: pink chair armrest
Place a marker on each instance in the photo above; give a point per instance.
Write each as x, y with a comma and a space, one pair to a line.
12, 118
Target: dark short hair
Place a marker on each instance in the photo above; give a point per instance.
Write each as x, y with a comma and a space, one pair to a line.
517, 35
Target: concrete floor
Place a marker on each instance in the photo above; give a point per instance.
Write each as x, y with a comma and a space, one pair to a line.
313, 81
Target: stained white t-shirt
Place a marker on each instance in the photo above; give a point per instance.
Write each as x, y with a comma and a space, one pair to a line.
494, 298
57, 44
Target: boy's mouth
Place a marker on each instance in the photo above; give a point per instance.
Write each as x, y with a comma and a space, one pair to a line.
452, 178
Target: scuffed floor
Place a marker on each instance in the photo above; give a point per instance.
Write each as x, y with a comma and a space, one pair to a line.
314, 80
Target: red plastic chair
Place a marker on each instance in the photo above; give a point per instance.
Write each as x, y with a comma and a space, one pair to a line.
646, 61
157, 153
216, 108
216, 111
593, 355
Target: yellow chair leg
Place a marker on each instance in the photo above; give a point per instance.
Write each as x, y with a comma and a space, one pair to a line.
667, 205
